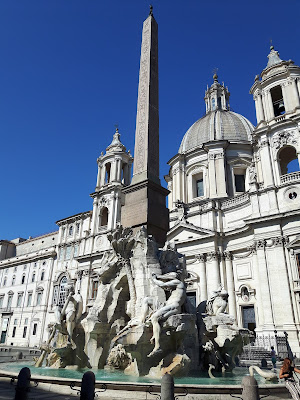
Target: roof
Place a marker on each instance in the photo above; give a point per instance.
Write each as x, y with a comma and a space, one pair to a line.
217, 125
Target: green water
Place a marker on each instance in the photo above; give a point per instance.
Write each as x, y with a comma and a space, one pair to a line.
234, 378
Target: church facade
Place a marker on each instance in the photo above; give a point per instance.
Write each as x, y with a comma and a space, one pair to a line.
233, 212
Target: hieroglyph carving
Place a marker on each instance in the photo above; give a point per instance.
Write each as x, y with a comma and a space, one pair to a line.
146, 137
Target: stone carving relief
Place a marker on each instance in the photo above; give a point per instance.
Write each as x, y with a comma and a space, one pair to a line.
284, 138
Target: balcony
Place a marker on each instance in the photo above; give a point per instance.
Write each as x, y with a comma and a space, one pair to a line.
5, 310
293, 176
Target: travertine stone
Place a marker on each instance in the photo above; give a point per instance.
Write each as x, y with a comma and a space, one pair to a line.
146, 152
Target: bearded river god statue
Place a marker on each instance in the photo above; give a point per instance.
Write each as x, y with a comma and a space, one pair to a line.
141, 321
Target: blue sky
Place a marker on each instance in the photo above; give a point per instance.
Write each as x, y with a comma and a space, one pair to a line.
69, 73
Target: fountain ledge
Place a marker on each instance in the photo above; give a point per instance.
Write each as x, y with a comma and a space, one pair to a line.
121, 390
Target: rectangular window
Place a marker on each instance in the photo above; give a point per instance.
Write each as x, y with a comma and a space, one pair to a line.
61, 254
14, 331
15, 321
1, 301
191, 297
34, 329
24, 331
75, 250
9, 301
39, 298
94, 289
239, 181
26, 321
19, 299
298, 263
68, 253
199, 188
29, 299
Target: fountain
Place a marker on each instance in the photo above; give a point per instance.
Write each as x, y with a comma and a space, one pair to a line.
142, 322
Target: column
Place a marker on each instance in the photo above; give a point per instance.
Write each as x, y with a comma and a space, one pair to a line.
286, 97
102, 176
125, 175
230, 284
280, 284
295, 94
202, 276
259, 304
259, 108
267, 166
114, 170
95, 216
270, 105
220, 175
265, 285
212, 175
215, 271
118, 169
98, 176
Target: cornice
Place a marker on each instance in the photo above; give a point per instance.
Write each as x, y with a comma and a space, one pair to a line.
37, 255
73, 218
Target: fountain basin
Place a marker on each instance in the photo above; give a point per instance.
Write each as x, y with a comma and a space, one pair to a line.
121, 386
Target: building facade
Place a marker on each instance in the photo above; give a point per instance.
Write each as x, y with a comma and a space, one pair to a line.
234, 214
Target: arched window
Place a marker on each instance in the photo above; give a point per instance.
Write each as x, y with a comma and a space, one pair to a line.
33, 277
59, 296
71, 230
42, 275
23, 279
288, 160
107, 172
104, 216
13, 281
213, 104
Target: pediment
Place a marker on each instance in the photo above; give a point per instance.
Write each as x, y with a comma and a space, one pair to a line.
294, 243
182, 230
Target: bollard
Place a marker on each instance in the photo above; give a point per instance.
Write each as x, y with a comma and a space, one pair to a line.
167, 387
250, 388
88, 386
22, 387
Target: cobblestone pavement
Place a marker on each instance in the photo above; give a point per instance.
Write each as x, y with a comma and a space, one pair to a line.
42, 391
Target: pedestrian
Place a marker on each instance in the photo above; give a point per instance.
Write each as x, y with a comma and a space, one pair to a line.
286, 373
273, 357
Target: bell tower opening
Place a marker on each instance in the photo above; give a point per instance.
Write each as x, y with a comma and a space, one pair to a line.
277, 100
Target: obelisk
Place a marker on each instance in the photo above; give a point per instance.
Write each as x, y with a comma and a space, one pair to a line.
145, 198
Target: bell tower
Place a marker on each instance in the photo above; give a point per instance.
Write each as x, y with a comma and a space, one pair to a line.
276, 92
114, 172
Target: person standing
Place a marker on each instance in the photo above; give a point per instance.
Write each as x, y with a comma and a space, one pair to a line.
286, 373
273, 357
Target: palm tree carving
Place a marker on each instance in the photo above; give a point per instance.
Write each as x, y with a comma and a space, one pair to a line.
122, 242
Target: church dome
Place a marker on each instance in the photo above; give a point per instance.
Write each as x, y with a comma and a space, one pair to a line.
219, 124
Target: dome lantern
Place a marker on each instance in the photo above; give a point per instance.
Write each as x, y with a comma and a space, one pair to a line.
217, 96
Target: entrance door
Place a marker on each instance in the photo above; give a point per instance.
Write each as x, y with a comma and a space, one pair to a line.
4, 329
249, 318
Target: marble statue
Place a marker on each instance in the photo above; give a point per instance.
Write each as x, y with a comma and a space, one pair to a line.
70, 313
217, 302
170, 281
